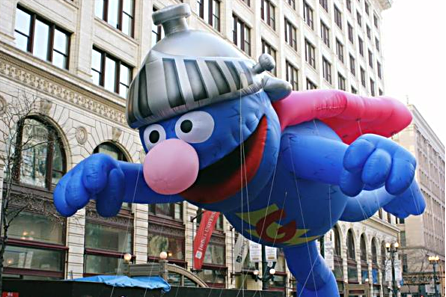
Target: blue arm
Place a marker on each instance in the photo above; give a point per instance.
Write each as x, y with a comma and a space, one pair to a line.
136, 189
109, 182
371, 172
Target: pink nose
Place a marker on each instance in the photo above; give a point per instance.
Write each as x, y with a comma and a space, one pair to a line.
171, 167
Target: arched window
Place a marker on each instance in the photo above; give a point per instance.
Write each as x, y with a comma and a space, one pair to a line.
352, 268
39, 157
364, 266
36, 231
363, 249
321, 241
351, 245
374, 264
337, 242
111, 149
374, 252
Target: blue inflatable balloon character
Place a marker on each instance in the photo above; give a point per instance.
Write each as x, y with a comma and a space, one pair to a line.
282, 166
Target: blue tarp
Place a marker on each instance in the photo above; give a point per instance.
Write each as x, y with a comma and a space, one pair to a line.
145, 282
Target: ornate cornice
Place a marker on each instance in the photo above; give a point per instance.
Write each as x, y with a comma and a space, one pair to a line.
52, 84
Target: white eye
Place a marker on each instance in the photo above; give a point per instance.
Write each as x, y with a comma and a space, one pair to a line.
153, 135
195, 127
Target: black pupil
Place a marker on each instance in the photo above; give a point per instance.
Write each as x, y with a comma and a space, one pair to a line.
186, 126
154, 136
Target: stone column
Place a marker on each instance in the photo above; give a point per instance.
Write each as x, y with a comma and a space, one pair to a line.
141, 232
75, 241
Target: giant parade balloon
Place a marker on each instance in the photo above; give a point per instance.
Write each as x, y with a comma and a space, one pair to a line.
282, 166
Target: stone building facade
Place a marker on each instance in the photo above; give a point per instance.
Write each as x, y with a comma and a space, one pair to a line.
76, 58
423, 236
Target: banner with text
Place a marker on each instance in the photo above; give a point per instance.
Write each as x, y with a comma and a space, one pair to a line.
255, 252
240, 252
204, 233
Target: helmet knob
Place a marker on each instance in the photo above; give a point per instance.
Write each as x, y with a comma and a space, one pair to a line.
172, 18
266, 63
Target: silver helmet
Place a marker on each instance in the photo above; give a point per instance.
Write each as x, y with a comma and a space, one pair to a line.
190, 69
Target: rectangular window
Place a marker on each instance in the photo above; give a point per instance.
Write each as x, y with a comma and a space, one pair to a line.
324, 4
248, 2
110, 73
326, 69
349, 5
372, 87
102, 264
241, 34
290, 34
359, 18
361, 46
325, 34
340, 50
209, 11
369, 32
157, 32
352, 65
375, 21
292, 3
268, 49
310, 54
350, 33
380, 92
36, 228
173, 245
308, 15
353, 90
43, 39
268, 11
167, 210
338, 17
367, 7
292, 76
311, 85
118, 13
379, 70
370, 59
377, 44
34, 258
107, 238
341, 82
363, 77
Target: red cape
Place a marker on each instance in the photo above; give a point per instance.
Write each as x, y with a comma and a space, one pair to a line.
349, 115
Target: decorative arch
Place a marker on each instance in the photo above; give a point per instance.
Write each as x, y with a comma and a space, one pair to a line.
350, 243
40, 150
337, 241
352, 268
60, 132
374, 251
114, 149
363, 247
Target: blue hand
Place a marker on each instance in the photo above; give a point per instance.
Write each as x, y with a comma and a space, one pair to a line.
373, 161
410, 202
97, 177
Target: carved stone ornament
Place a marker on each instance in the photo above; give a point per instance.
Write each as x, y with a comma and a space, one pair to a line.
45, 106
3, 105
40, 80
116, 134
81, 135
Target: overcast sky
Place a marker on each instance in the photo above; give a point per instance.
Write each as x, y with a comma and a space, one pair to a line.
414, 47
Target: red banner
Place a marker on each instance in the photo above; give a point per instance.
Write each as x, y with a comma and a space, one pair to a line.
201, 241
10, 294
